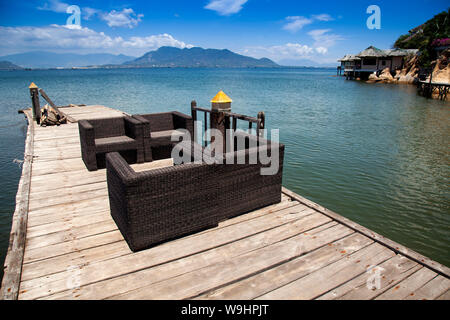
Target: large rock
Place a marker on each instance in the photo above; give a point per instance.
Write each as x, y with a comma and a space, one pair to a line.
373, 77
441, 71
386, 76
408, 79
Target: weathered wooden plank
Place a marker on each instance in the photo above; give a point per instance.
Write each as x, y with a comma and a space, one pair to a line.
375, 280
101, 239
127, 282
66, 192
75, 233
272, 279
70, 176
234, 268
445, 296
49, 266
58, 166
68, 198
431, 290
88, 206
313, 285
74, 245
60, 264
67, 182
180, 253
408, 285
398, 248
67, 224
57, 143
66, 217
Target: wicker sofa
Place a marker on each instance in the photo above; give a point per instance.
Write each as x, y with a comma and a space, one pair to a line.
162, 204
101, 136
242, 186
159, 127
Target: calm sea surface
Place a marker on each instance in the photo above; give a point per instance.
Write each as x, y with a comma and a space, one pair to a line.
377, 154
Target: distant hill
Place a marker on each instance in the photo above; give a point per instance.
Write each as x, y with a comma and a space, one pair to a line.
43, 59
6, 65
426, 36
198, 57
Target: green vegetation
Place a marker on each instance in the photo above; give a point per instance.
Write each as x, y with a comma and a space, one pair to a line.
426, 36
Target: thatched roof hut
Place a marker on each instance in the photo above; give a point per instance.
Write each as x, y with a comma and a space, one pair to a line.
372, 52
349, 57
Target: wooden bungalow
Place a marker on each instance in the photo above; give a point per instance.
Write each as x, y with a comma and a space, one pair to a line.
373, 60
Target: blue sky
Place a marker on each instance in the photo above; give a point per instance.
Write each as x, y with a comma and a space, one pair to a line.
289, 32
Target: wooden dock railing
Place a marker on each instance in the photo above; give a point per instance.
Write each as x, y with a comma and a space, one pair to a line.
229, 118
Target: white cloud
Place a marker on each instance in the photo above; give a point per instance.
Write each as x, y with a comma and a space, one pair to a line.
322, 38
82, 40
323, 17
296, 23
226, 7
88, 12
55, 6
124, 18
321, 50
288, 51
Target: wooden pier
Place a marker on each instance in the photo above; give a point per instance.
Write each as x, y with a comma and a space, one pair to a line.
65, 245
428, 88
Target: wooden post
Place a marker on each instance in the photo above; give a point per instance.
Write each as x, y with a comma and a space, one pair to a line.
194, 118
261, 123
35, 105
220, 105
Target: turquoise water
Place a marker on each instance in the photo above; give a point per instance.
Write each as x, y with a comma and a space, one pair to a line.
377, 154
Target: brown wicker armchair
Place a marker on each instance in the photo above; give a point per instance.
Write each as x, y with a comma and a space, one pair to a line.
100, 136
159, 127
161, 204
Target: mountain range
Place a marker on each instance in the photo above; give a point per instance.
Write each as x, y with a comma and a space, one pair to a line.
44, 59
163, 57
198, 57
6, 65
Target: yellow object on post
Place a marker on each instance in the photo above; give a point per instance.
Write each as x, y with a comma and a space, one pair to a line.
221, 102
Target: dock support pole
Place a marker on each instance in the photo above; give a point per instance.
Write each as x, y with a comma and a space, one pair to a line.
194, 119
261, 123
35, 106
218, 122
220, 105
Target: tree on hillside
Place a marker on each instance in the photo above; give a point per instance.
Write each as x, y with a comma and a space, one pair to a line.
426, 36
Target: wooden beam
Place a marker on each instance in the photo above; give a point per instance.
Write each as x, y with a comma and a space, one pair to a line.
14, 257
50, 102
